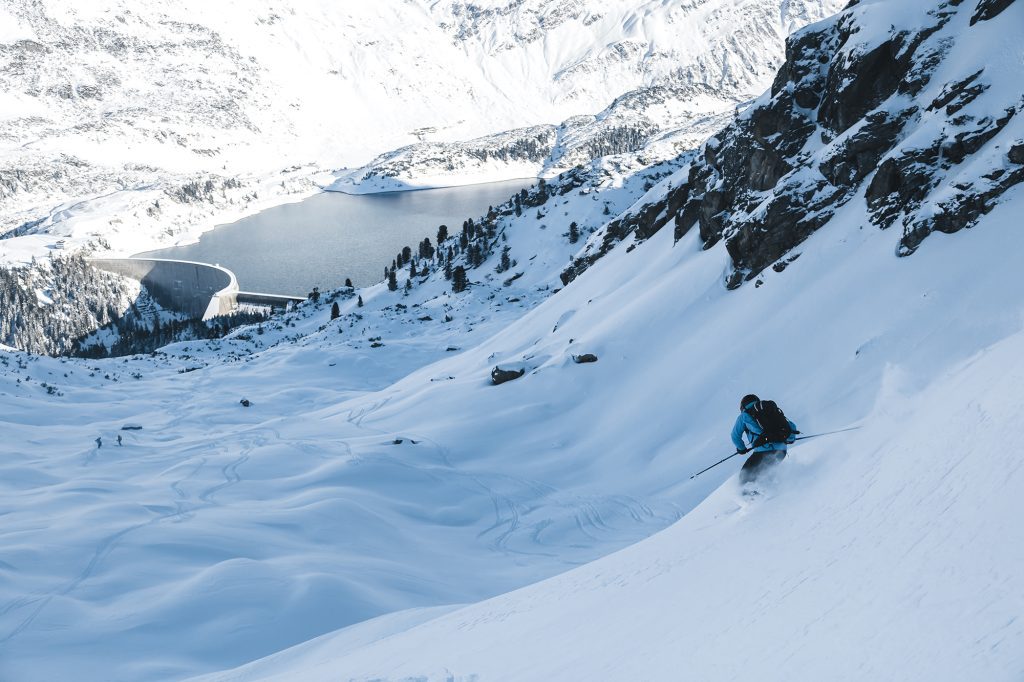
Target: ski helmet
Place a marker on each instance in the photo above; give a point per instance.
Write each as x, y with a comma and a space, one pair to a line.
747, 400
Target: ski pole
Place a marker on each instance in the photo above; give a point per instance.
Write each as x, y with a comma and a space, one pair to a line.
716, 464
815, 435
827, 433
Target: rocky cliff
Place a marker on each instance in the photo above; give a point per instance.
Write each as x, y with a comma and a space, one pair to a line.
916, 120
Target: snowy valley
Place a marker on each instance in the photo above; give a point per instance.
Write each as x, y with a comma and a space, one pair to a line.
846, 244
133, 125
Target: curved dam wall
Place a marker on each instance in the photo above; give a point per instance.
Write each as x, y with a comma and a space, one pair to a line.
197, 289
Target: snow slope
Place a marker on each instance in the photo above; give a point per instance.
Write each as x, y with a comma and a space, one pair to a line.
182, 553
378, 473
882, 554
888, 555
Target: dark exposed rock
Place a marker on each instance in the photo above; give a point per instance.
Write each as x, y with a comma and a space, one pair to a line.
960, 212
1016, 153
783, 264
500, 376
900, 183
859, 155
887, 180
955, 96
789, 218
644, 223
244, 402
987, 9
584, 358
766, 168
854, 89
968, 142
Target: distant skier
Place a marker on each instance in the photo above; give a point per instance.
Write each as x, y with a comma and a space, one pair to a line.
99, 442
768, 430
119, 440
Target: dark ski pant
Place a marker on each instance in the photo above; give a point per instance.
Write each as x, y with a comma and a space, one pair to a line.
758, 462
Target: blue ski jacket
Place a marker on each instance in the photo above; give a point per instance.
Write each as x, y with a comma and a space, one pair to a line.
745, 424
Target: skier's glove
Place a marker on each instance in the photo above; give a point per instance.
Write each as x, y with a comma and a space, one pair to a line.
742, 451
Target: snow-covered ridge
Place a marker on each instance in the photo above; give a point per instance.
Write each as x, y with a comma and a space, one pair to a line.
652, 124
120, 104
897, 114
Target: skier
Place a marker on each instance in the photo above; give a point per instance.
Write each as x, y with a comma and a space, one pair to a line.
768, 431
99, 442
119, 440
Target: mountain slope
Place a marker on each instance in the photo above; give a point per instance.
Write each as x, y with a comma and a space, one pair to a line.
882, 555
895, 108
131, 107
377, 469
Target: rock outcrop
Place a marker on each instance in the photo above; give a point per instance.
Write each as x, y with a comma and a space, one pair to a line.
853, 115
500, 376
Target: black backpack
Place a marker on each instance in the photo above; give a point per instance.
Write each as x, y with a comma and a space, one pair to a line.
774, 425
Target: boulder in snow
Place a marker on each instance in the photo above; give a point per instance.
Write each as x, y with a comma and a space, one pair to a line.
500, 376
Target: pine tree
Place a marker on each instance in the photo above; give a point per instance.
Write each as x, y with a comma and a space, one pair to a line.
426, 249
506, 261
348, 282
359, 302
459, 282
392, 281
448, 269
408, 286
335, 311
442, 233
574, 232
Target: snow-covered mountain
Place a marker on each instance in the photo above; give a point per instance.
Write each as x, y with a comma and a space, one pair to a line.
548, 527
652, 125
128, 125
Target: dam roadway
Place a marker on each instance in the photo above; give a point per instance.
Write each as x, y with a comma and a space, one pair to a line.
199, 290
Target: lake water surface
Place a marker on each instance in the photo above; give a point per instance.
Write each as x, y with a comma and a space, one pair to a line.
322, 240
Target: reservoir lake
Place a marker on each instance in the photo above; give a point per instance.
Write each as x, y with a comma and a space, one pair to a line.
321, 240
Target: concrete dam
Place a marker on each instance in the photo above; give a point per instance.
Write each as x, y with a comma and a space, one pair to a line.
199, 290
